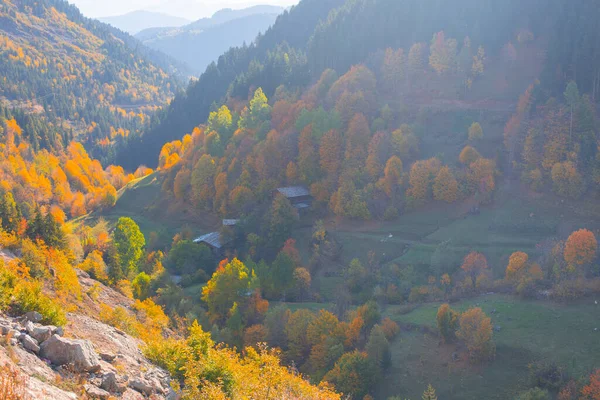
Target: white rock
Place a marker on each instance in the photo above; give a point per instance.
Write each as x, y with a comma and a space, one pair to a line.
30, 344
79, 353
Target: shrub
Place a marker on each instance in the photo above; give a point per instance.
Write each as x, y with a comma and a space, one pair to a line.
534, 394
390, 328
547, 376
569, 290
12, 384
119, 318
28, 297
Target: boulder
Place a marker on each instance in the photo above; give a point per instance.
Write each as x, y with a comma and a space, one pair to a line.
79, 353
132, 395
30, 343
95, 392
29, 327
111, 384
41, 333
109, 358
33, 316
141, 386
5, 328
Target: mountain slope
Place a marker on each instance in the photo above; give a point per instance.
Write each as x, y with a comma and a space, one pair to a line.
292, 30
80, 71
137, 21
202, 42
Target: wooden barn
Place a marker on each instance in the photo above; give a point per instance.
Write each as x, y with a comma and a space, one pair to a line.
299, 197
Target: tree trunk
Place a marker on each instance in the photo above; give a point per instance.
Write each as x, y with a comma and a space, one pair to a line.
571, 128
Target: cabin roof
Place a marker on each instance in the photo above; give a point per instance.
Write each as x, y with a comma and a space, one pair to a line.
294, 191
230, 222
213, 239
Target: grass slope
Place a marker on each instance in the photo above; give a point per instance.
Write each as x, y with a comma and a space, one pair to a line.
530, 331
143, 201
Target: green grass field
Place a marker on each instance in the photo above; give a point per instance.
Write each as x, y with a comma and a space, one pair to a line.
142, 201
529, 331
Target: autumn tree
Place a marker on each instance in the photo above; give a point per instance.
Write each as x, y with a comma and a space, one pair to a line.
473, 265
405, 143
299, 346
581, 248
445, 186
221, 121
257, 113
447, 322
393, 69
482, 175
282, 217
417, 57
517, 264
349, 202
442, 56
353, 374
421, 179
377, 154
475, 131
129, 244
392, 176
229, 285
330, 153
308, 157
475, 329
202, 180
478, 63
468, 155
591, 391
357, 139
567, 180
302, 282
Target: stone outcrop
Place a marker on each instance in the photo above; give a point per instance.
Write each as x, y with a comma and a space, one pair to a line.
78, 353
107, 362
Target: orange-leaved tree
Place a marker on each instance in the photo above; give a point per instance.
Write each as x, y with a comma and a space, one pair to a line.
581, 248
474, 264
517, 264
445, 186
591, 391
475, 329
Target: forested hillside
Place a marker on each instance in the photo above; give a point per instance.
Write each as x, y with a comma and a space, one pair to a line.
237, 69
97, 83
376, 199
358, 30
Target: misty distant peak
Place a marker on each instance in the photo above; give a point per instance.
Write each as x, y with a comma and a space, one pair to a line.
136, 21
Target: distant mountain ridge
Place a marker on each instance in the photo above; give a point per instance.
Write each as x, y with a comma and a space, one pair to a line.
199, 43
140, 20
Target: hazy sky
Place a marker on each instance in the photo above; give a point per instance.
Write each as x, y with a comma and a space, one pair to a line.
190, 9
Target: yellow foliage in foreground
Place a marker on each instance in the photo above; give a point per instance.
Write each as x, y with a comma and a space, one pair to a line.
213, 372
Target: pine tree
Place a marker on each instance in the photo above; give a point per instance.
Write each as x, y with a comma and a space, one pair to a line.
429, 394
